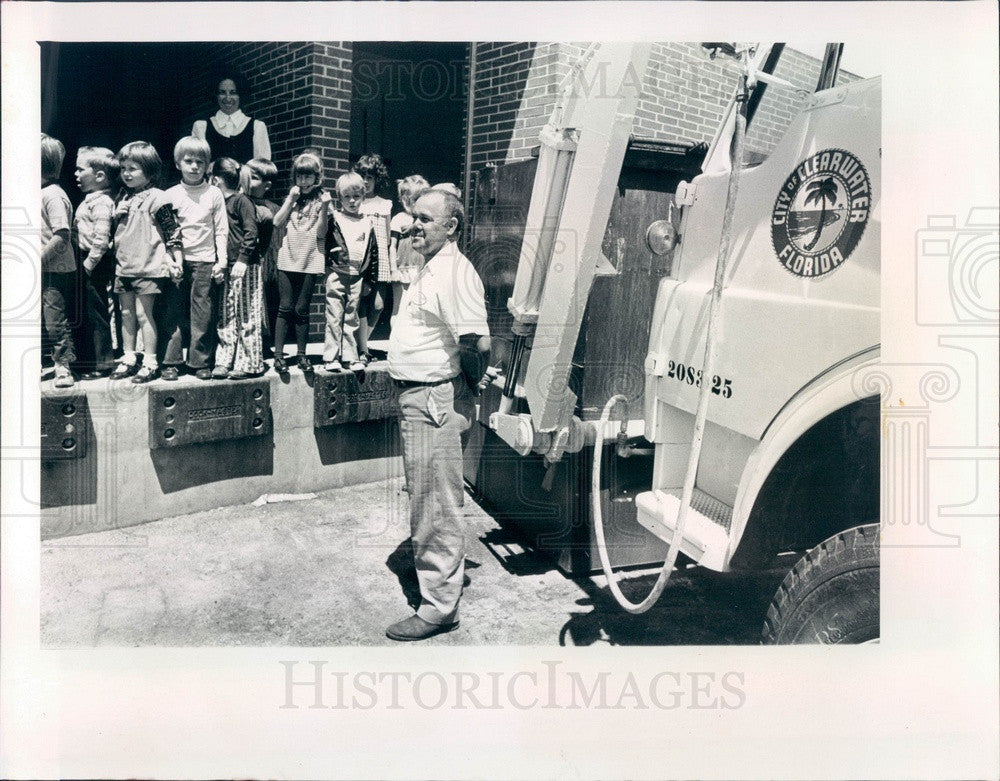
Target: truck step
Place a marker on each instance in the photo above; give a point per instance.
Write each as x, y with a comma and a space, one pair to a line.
706, 531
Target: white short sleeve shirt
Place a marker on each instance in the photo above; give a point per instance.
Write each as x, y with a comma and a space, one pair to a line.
445, 301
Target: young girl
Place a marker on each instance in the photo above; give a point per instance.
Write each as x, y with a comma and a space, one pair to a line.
148, 251
353, 256
303, 216
405, 260
58, 262
373, 171
239, 353
256, 178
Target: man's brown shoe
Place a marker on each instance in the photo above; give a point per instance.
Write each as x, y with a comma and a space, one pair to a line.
415, 628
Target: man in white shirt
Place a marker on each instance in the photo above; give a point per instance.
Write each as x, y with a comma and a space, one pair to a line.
440, 324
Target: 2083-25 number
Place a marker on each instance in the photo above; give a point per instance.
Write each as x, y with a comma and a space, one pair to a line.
692, 376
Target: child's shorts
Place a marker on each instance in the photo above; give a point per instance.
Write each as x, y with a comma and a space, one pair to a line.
141, 286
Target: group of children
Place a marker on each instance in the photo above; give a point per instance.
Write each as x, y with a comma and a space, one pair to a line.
198, 259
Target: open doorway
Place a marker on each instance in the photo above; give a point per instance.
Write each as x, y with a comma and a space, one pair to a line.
408, 104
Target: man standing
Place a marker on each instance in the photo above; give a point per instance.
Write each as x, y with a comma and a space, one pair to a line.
439, 328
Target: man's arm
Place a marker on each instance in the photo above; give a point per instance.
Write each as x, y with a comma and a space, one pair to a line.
474, 355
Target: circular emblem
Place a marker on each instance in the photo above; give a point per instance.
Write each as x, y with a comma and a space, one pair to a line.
820, 213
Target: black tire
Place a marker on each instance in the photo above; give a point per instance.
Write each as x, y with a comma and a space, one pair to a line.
832, 595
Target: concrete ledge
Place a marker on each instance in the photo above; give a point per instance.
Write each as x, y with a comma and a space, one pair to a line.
121, 482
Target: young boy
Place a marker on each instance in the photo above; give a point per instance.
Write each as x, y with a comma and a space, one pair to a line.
58, 262
97, 169
201, 212
352, 261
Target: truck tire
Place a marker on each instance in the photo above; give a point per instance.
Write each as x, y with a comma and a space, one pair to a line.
832, 595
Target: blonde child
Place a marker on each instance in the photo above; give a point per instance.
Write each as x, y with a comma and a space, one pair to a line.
96, 171
147, 252
58, 262
256, 178
303, 217
352, 253
239, 354
372, 170
201, 213
404, 260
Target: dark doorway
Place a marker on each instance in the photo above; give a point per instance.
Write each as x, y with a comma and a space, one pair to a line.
108, 94
408, 104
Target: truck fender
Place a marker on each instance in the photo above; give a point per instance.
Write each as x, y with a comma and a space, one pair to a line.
831, 391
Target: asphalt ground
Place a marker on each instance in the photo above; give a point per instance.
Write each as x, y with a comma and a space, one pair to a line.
337, 570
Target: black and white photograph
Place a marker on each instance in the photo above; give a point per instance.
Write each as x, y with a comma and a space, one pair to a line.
478, 375
595, 388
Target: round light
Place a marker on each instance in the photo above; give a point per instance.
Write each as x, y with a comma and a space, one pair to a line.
661, 237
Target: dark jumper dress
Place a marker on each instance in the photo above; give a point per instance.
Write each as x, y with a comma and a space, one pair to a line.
238, 147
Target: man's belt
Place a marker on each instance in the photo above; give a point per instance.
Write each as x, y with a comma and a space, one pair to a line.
404, 384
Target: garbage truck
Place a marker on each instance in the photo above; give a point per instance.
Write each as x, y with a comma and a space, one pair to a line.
752, 410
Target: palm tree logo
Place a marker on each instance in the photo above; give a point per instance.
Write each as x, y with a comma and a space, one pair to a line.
820, 191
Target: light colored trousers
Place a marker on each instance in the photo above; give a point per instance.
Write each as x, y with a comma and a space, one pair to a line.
432, 421
343, 292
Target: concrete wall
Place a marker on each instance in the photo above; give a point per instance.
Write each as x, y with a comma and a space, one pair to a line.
122, 482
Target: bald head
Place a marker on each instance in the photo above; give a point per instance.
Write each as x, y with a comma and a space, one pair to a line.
437, 219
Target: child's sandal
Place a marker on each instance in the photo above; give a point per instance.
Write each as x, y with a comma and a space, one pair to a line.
146, 374
122, 370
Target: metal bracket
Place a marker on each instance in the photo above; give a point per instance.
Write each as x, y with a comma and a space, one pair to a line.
826, 98
346, 397
655, 364
64, 427
684, 196
189, 415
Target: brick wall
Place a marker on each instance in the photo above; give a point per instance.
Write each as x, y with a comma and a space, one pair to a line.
301, 91
683, 100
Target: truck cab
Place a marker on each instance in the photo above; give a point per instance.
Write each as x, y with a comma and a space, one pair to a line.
758, 402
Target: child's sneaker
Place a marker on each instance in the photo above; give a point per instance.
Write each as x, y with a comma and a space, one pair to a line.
64, 377
358, 366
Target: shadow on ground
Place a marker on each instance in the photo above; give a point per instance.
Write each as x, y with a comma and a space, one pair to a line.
697, 607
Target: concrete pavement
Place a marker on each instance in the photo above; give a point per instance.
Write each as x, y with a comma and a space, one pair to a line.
336, 570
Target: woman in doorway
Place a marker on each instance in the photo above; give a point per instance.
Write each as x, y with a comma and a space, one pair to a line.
230, 132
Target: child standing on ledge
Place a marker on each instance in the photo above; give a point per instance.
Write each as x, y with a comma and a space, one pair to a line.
353, 257
201, 212
256, 178
239, 354
58, 262
405, 260
147, 252
372, 170
303, 217
96, 171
